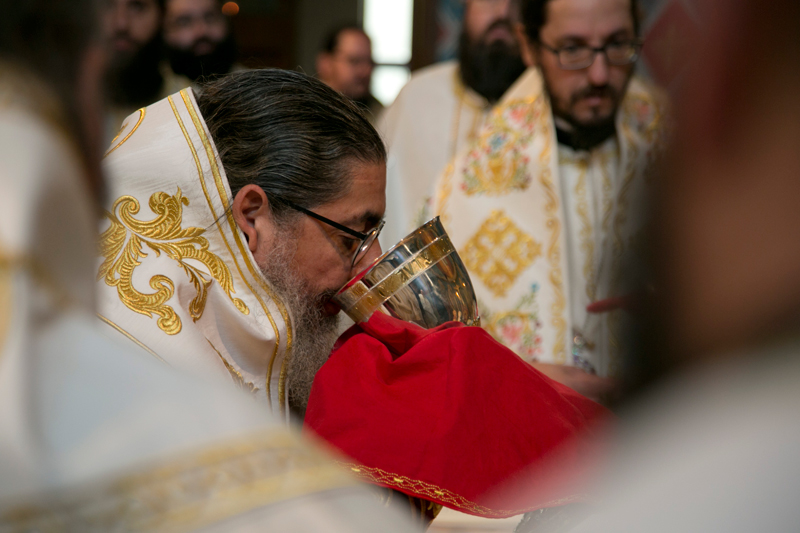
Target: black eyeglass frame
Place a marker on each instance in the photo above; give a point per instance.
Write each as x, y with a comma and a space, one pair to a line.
367, 239
636, 45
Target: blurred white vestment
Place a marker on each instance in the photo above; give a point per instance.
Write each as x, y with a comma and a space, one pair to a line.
97, 436
714, 451
431, 119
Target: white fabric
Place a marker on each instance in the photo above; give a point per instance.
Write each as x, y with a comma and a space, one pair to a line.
197, 299
712, 451
95, 436
543, 230
433, 116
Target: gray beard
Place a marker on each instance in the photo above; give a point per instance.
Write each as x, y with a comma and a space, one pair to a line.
314, 333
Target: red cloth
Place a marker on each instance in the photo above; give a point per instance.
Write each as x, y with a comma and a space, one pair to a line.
446, 414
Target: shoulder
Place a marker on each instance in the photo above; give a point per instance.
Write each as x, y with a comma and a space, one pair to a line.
432, 78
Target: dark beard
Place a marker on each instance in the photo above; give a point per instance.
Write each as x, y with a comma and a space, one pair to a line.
489, 69
208, 66
314, 332
585, 136
136, 82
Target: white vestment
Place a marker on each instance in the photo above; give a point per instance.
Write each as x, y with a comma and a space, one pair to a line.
431, 119
175, 275
543, 229
97, 436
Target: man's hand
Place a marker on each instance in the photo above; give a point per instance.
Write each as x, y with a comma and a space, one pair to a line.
591, 386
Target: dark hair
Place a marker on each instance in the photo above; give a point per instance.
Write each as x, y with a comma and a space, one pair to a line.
331, 41
288, 133
534, 16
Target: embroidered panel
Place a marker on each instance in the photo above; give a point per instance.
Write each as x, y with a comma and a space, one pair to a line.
498, 165
499, 252
122, 244
518, 328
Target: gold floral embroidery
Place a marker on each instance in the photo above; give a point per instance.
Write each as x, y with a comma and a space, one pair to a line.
554, 252
499, 252
435, 493
121, 246
498, 164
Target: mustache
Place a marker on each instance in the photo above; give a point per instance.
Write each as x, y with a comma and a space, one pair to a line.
203, 41
596, 91
499, 24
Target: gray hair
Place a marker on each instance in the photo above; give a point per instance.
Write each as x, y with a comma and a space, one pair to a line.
288, 133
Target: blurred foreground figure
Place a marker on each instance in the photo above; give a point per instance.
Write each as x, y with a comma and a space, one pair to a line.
138, 73
714, 448
94, 437
443, 107
234, 215
345, 64
543, 205
198, 38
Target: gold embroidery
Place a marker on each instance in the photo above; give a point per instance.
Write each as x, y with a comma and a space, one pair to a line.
499, 252
498, 165
435, 493
189, 492
142, 112
163, 234
234, 229
585, 234
209, 149
554, 252
131, 338
235, 374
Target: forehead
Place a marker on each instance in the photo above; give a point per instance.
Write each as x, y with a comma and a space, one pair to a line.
586, 18
365, 200
352, 41
179, 7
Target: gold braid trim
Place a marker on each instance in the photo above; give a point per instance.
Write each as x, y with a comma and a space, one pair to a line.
190, 492
441, 495
142, 112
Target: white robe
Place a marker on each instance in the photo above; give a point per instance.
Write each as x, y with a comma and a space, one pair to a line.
98, 436
431, 119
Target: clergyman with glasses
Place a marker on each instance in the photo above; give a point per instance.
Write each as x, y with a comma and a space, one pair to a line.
235, 212
549, 199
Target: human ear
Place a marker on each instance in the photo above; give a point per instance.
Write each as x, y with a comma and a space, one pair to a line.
526, 49
252, 213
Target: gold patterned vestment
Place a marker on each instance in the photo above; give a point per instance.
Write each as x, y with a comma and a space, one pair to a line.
175, 275
99, 436
543, 229
432, 118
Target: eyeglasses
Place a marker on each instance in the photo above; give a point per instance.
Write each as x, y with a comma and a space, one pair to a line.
578, 57
367, 239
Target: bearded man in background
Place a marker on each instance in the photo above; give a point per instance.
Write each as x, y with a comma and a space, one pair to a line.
138, 73
199, 40
443, 107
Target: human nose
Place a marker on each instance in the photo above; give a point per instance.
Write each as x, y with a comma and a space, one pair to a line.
598, 70
119, 17
502, 8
